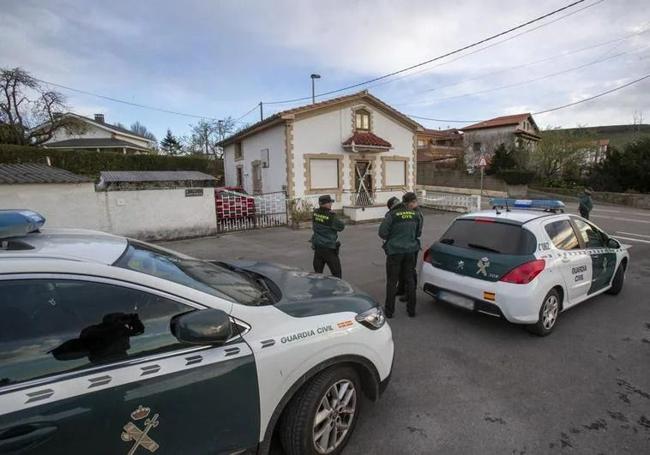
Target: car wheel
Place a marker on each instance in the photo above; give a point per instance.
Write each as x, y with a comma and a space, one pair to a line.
548, 314
322, 416
617, 282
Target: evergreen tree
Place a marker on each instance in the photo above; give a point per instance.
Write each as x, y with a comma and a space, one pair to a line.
170, 144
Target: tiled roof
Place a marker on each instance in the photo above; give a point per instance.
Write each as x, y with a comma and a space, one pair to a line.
450, 133
152, 176
498, 121
275, 118
92, 143
37, 173
367, 139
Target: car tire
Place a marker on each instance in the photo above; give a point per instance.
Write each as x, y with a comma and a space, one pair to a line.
617, 282
302, 434
549, 311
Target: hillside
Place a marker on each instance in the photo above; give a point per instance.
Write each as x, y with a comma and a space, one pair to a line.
618, 135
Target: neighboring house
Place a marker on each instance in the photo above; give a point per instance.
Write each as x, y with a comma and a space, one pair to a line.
439, 145
483, 138
97, 135
356, 148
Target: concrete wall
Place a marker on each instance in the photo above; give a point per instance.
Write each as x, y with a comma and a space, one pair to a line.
640, 201
94, 132
144, 214
275, 176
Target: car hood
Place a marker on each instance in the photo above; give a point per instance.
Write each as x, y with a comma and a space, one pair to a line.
309, 294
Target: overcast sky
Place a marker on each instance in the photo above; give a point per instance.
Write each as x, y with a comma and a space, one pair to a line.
220, 58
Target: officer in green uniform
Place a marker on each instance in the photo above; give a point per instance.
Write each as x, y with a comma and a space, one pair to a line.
326, 226
401, 230
586, 204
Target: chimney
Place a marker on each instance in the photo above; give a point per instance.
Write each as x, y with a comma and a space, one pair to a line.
99, 118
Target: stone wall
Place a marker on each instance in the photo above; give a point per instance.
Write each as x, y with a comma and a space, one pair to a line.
640, 201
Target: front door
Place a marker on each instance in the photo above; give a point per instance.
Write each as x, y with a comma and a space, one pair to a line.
363, 182
92, 367
603, 260
257, 177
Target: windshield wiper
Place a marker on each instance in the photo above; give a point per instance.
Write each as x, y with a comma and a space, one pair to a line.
482, 247
447, 241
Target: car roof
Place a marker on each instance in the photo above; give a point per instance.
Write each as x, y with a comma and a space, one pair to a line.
512, 216
76, 244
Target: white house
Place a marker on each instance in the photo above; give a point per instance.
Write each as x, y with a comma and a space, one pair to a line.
356, 148
97, 135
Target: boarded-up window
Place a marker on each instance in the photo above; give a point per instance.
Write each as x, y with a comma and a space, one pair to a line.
323, 173
395, 173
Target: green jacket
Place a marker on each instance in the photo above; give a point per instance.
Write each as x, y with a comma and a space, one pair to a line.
326, 226
401, 230
585, 203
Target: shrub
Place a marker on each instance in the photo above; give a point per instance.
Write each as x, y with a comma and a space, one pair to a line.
92, 163
300, 210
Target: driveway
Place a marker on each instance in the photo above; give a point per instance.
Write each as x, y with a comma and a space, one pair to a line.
468, 383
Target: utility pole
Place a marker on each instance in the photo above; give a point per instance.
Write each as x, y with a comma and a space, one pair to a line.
261, 111
313, 87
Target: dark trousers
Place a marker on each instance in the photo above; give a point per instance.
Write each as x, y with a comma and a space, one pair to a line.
584, 214
400, 265
401, 286
330, 257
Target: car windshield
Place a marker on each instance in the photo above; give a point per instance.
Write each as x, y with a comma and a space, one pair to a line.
208, 277
490, 236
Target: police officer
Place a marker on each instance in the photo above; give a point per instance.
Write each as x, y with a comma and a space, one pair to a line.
401, 230
326, 226
586, 204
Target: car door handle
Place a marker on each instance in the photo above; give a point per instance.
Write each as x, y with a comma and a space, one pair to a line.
23, 436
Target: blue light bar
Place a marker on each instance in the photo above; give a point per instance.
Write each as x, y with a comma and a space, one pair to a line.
532, 204
15, 223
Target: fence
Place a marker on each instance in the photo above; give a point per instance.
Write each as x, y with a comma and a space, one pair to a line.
239, 212
450, 201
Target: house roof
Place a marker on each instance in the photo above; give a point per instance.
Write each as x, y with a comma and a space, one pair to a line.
505, 120
92, 143
452, 132
103, 125
366, 139
152, 176
37, 173
281, 116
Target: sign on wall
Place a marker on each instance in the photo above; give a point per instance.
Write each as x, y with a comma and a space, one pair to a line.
193, 192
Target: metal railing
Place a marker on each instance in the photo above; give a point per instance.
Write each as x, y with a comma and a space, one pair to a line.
450, 201
238, 211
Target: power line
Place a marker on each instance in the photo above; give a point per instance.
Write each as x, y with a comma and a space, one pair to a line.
537, 62
528, 81
517, 35
117, 100
557, 108
247, 113
426, 62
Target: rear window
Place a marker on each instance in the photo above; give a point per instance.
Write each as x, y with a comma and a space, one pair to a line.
490, 236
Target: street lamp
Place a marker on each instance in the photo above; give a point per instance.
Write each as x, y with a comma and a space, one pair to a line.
313, 92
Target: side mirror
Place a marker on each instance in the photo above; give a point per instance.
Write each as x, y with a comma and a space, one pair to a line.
202, 327
613, 243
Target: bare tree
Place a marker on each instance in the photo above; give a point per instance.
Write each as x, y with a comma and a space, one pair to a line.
139, 129
30, 113
207, 134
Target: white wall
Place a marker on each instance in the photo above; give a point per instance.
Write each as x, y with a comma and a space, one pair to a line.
95, 132
145, 214
324, 133
274, 178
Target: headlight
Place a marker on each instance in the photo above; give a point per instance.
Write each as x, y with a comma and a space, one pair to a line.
373, 318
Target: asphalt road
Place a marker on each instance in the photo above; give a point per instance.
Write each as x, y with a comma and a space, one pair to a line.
467, 383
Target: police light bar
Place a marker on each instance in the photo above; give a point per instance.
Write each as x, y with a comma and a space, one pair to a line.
15, 223
531, 204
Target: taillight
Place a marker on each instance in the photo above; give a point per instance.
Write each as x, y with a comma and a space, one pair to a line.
525, 273
427, 255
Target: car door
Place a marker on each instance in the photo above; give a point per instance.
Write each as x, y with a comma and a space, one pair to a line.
571, 258
603, 259
92, 367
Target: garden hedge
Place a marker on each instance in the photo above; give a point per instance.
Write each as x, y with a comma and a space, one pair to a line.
92, 163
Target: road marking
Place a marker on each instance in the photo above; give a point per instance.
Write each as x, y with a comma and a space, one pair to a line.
632, 233
622, 211
632, 240
634, 220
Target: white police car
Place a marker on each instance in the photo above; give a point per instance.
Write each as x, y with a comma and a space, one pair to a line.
525, 261
109, 345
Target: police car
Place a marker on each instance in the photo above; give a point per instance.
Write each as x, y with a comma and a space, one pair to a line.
525, 260
113, 346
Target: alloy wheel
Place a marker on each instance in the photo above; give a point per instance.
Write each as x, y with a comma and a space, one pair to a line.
550, 312
334, 416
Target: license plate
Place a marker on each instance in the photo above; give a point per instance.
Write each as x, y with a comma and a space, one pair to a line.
455, 299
